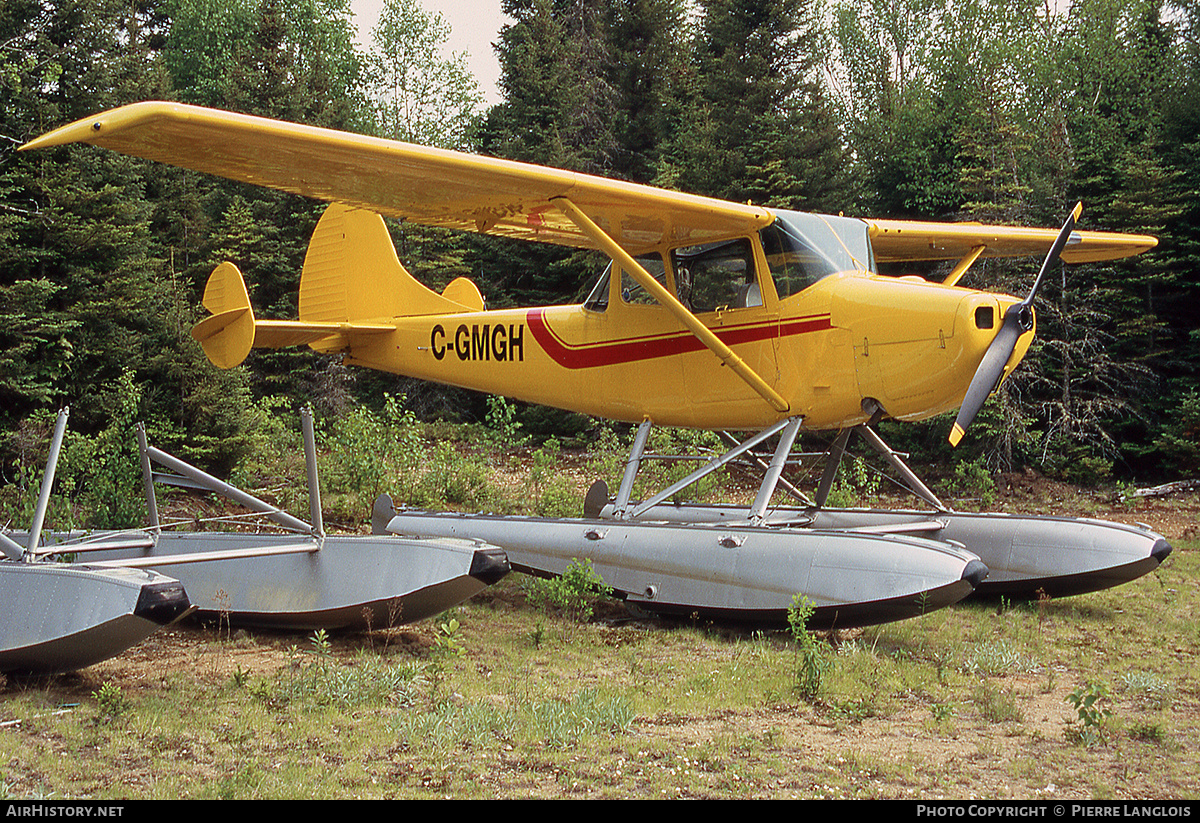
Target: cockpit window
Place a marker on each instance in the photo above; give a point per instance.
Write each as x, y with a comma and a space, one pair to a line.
802, 248
716, 275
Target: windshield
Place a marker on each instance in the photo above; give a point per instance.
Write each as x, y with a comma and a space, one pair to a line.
802, 248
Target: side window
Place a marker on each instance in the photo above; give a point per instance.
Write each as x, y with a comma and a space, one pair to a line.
632, 291
716, 275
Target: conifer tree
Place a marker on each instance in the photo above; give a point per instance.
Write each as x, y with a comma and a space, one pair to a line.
760, 127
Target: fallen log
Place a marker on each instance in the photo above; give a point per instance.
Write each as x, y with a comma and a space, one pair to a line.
1167, 489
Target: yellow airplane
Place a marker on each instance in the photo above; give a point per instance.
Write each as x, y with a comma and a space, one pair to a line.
711, 315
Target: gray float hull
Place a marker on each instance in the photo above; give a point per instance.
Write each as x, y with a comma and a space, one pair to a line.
1025, 554
353, 581
58, 617
748, 574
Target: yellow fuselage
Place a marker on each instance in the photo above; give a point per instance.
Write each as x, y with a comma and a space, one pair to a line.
909, 344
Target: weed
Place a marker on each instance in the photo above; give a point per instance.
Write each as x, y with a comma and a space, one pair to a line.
812, 659
1051, 680
502, 420
1043, 603
555, 723
1149, 733
224, 612
1087, 700
942, 711
447, 642
994, 658
996, 705
261, 690
973, 479
239, 678
243, 783
606, 457
855, 484
1126, 495
111, 702
369, 680
455, 479
7, 792
561, 723
321, 646
548, 492
573, 593
447, 646
854, 711
1148, 688
371, 453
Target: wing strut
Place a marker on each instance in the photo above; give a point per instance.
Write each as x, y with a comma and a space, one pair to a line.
964, 264
693, 324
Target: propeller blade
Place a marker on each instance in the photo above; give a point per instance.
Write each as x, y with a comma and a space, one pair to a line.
1060, 243
991, 369
1017, 321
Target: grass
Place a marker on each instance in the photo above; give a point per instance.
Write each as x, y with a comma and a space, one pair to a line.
955, 704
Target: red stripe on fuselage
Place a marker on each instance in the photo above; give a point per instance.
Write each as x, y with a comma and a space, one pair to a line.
589, 355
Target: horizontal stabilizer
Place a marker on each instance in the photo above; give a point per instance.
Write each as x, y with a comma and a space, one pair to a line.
324, 337
228, 335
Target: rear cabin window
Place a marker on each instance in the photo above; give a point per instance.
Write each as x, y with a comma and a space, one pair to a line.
632, 292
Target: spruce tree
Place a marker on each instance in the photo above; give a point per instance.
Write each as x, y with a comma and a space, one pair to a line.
760, 126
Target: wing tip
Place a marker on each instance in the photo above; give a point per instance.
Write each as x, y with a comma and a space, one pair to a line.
102, 124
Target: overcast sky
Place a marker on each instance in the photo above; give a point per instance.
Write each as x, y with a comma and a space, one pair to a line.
474, 26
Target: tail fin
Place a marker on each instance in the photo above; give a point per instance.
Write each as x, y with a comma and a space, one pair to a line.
351, 273
352, 285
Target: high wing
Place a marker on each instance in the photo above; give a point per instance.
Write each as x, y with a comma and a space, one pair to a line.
900, 240
437, 187
428, 186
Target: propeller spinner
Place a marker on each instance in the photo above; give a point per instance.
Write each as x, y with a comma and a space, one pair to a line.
1018, 320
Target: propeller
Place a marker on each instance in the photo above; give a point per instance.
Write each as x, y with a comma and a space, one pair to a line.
1018, 320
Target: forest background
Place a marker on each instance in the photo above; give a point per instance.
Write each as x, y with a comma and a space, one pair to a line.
994, 111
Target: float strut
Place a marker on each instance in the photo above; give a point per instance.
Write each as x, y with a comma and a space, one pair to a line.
147, 477
631, 469
43, 503
832, 461
314, 483
914, 483
774, 470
